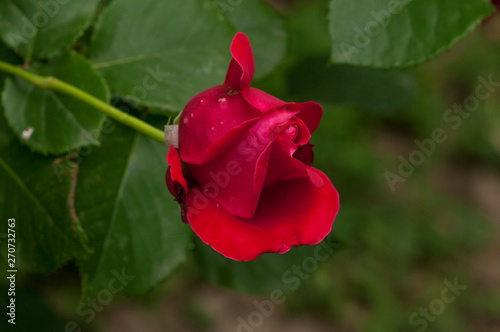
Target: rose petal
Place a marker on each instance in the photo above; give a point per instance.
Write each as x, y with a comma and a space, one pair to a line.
238, 191
305, 154
302, 135
316, 179
241, 69
261, 100
282, 166
211, 122
290, 213
311, 114
176, 182
175, 170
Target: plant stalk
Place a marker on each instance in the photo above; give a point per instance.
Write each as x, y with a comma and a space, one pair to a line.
55, 84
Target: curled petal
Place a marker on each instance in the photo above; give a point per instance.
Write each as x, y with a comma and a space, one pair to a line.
290, 213
176, 182
241, 69
310, 114
282, 166
175, 173
296, 131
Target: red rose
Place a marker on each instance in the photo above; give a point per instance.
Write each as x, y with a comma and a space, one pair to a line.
243, 178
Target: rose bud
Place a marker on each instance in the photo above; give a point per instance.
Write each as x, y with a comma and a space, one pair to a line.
242, 171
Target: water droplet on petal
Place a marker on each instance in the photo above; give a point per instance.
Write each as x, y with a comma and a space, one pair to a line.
221, 100
217, 206
212, 128
185, 121
191, 115
221, 123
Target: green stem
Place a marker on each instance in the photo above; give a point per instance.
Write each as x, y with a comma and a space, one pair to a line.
52, 83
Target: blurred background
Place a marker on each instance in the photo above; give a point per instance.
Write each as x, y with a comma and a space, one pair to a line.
414, 248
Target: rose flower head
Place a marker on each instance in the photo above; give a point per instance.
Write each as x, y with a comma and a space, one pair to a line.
242, 170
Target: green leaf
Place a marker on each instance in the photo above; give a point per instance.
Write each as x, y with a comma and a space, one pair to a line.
37, 197
132, 221
398, 33
161, 53
263, 26
5, 55
269, 272
58, 123
41, 29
